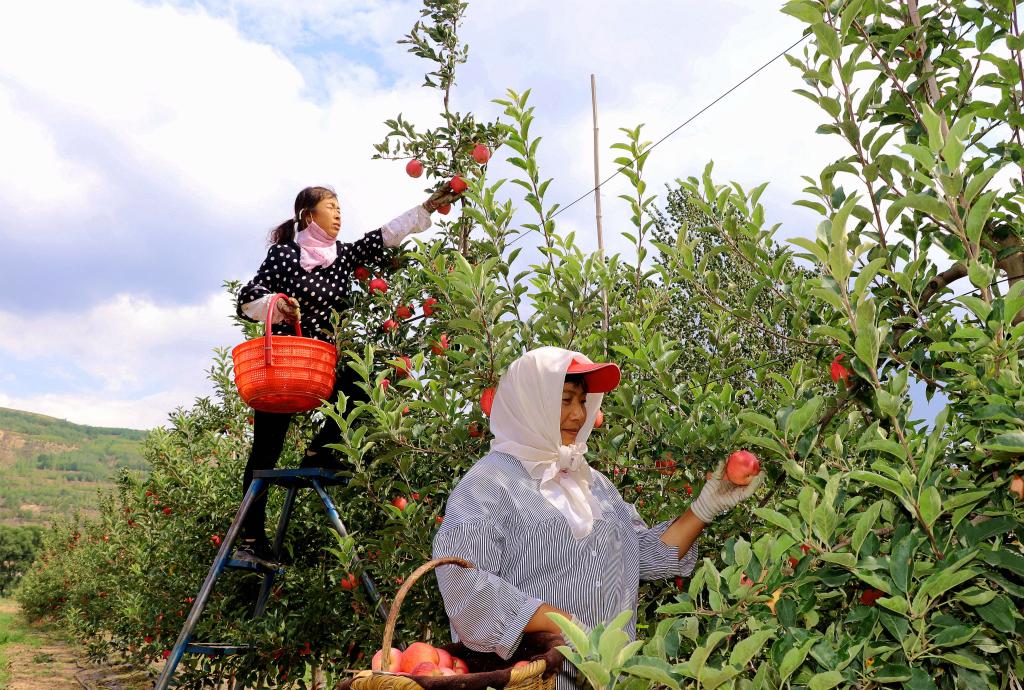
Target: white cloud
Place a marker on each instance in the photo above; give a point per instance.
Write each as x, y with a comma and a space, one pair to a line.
42, 177
127, 358
206, 122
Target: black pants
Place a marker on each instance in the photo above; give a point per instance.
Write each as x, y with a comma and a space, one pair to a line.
269, 430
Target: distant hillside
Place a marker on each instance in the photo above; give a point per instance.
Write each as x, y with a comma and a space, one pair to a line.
50, 467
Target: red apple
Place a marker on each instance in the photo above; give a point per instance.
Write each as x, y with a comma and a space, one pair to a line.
428, 306
403, 312
390, 326
444, 210
458, 185
447, 671
839, 371
599, 419
426, 669
679, 582
445, 658
400, 502
441, 345
384, 384
520, 664
481, 154
402, 370
378, 285
741, 467
459, 666
414, 168
793, 562
361, 273
1017, 486
870, 596
487, 400
474, 430
215, 540
394, 660
418, 653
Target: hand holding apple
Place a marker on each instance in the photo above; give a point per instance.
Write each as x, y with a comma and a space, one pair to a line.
442, 197
720, 493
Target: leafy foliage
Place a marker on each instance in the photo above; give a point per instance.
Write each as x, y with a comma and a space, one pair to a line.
884, 551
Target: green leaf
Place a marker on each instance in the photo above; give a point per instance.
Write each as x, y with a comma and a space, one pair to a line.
866, 344
826, 39
865, 522
825, 681
804, 10
744, 650
978, 215
954, 636
652, 669
890, 485
794, 658
901, 560
596, 673
930, 205
931, 505
778, 519
801, 418
847, 560
919, 680
1012, 442
965, 661
998, 613
572, 633
867, 274
815, 248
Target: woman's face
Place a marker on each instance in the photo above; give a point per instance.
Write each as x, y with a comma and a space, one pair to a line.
574, 412
327, 214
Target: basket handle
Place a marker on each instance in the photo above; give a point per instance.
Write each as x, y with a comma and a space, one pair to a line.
389, 627
268, 344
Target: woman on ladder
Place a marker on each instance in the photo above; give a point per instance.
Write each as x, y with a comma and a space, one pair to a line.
307, 262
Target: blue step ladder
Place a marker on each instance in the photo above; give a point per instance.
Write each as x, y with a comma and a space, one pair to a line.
292, 480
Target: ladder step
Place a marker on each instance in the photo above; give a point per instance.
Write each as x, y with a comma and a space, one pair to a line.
216, 648
301, 476
252, 567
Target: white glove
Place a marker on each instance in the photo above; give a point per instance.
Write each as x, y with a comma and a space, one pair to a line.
719, 495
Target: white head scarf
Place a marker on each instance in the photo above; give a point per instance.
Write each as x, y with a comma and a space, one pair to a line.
525, 421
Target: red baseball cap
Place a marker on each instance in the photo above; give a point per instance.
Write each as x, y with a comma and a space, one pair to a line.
601, 377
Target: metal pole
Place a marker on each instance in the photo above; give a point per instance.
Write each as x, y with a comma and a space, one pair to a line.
597, 196
339, 527
204, 592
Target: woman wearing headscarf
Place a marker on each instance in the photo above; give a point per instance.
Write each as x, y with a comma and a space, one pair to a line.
547, 532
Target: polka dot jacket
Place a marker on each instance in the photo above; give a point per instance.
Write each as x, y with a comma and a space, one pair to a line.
325, 288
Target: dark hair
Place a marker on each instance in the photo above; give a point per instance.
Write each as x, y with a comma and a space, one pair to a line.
306, 200
577, 380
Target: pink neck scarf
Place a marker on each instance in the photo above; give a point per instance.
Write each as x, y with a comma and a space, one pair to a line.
316, 247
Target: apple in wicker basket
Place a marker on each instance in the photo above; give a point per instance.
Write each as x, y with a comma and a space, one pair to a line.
394, 661
419, 653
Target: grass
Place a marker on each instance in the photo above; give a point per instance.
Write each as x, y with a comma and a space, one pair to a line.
14, 630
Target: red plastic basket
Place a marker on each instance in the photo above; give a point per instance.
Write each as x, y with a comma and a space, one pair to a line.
284, 373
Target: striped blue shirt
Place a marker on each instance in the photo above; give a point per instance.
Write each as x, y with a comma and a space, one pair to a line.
526, 555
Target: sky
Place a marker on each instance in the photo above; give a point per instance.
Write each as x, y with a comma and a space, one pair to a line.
148, 147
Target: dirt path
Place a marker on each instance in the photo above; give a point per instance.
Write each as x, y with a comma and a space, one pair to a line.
39, 657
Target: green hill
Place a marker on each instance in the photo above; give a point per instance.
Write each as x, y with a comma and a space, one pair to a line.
51, 467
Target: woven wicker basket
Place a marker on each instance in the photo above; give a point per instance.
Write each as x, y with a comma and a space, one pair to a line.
487, 670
